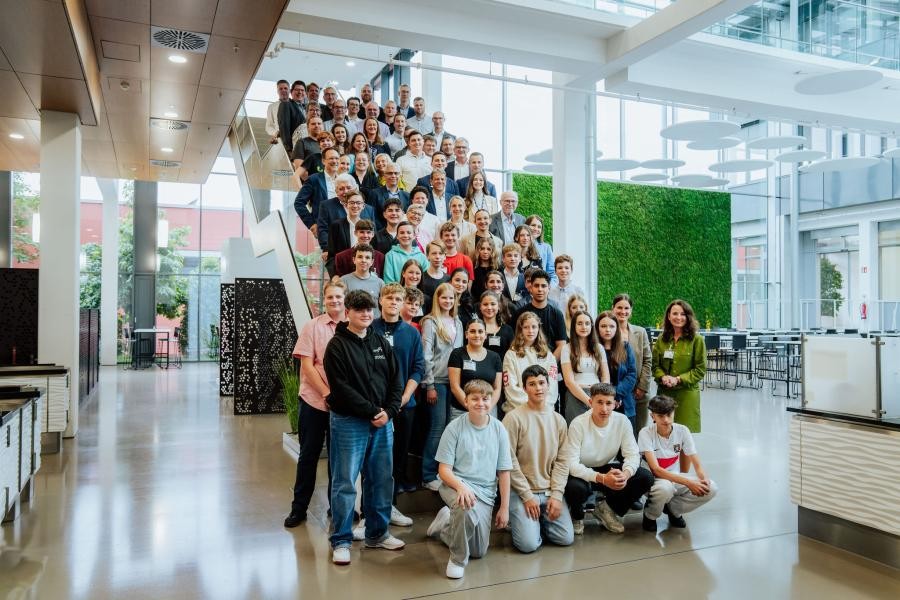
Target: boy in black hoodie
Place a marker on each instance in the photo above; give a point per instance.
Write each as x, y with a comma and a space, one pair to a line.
365, 396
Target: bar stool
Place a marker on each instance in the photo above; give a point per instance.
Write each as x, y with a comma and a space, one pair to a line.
175, 348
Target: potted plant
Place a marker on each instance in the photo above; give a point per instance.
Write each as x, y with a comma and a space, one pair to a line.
289, 377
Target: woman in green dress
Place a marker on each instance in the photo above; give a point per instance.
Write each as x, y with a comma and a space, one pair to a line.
679, 362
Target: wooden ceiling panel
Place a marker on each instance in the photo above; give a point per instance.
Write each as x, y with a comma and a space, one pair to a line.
130, 35
37, 39
216, 105
196, 15
162, 69
130, 170
60, 94
129, 129
137, 11
21, 127
98, 150
98, 132
195, 166
256, 21
10, 160
4, 64
134, 101
166, 96
164, 173
104, 169
206, 137
231, 62
160, 139
14, 101
131, 154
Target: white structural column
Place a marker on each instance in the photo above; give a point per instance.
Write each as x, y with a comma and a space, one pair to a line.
109, 272
58, 279
575, 184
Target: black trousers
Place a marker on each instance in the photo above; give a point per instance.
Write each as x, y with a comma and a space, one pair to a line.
403, 424
314, 431
578, 490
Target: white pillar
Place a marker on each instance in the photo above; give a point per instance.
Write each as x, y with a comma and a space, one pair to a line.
575, 184
58, 280
109, 278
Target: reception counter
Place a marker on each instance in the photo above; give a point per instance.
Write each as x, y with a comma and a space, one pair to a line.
20, 445
55, 383
845, 480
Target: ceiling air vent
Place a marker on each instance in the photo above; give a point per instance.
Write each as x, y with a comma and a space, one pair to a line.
282, 173
169, 124
176, 39
164, 163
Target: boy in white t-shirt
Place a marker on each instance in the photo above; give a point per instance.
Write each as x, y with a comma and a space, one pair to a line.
472, 456
662, 443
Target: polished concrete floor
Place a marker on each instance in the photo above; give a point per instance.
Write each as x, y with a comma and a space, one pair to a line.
166, 494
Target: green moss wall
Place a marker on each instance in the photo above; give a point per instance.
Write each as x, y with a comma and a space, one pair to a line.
655, 243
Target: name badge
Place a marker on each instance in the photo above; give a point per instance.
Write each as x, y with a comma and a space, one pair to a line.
468, 365
494, 340
669, 354
390, 339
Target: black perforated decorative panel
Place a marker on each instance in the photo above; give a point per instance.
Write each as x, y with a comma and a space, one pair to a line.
226, 340
264, 335
18, 316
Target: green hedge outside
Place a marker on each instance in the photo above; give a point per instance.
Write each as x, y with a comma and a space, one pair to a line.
656, 243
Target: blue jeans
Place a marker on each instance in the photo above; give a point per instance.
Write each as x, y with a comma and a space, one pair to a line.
358, 447
438, 417
528, 534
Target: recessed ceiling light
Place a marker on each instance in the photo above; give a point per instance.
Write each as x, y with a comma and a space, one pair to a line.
166, 149
170, 114
177, 58
17, 136
350, 63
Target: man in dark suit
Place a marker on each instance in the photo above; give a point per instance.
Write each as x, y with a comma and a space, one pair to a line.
342, 232
343, 260
404, 105
336, 208
439, 161
315, 191
291, 115
458, 168
438, 197
504, 223
476, 163
391, 189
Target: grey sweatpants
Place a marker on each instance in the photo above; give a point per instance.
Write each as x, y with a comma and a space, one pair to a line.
677, 496
468, 532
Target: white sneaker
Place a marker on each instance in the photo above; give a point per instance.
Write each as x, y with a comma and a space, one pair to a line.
454, 571
398, 518
341, 555
608, 518
433, 485
359, 532
388, 543
578, 526
438, 524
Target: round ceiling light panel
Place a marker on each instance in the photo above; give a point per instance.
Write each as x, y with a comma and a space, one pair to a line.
835, 165
662, 163
616, 164
837, 82
700, 130
798, 156
540, 168
693, 180
776, 142
717, 144
544, 156
739, 166
643, 177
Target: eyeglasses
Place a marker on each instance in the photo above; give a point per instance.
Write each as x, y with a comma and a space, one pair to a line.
355, 203
392, 174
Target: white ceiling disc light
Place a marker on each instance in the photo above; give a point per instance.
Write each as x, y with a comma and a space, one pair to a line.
693, 180
892, 153
544, 156
717, 181
776, 142
541, 168
663, 163
693, 131
739, 166
718, 144
834, 165
838, 82
798, 156
616, 164
649, 177
17, 136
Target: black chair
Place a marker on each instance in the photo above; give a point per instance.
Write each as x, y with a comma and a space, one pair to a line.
175, 348
713, 358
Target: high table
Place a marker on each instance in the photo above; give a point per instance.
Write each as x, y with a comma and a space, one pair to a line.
143, 360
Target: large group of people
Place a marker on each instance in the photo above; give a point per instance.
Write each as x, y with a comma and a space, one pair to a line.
450, 329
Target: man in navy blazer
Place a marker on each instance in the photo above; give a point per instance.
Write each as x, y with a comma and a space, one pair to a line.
334, 209
504, 223
291, 115
476, 163
377, 197
439, 196
315, 191
439, 161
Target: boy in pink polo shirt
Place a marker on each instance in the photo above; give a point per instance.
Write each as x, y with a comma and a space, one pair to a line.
314, 418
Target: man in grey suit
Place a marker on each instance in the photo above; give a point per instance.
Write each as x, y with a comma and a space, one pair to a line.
504, 223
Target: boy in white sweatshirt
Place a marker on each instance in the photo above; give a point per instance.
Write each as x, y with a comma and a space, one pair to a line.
595, 440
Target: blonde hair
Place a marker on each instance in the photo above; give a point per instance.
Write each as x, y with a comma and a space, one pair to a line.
493, 260
540, 342
436, 311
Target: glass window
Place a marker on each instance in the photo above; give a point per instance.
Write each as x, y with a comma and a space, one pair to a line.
643, 122
608, 130
478, 121
529, 114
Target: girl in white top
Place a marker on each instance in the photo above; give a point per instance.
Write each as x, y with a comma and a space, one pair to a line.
477, 199
583, 363
529, 347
